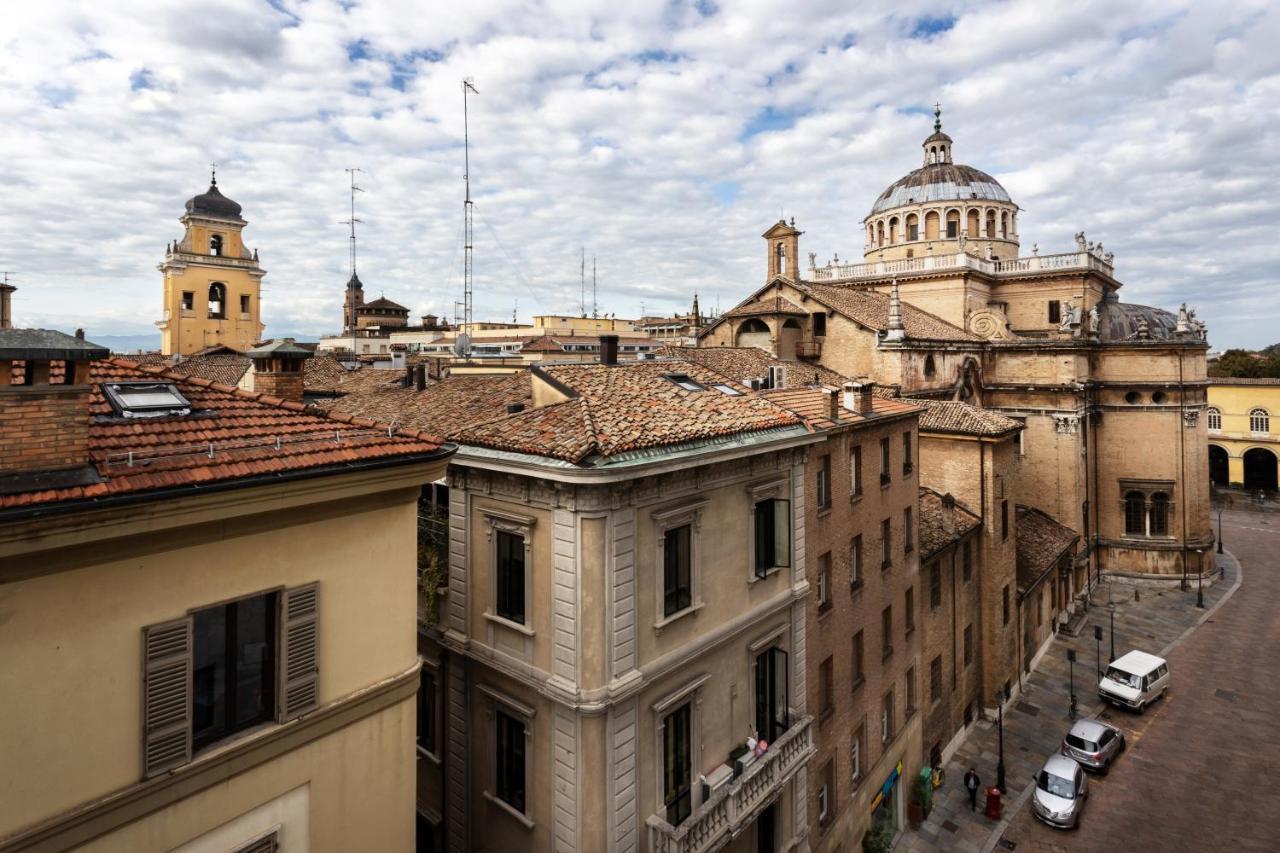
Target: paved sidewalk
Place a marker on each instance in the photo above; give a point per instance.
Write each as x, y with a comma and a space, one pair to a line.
1036, 721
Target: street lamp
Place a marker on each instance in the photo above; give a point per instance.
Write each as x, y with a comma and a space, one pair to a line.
1220, 503
1200, 582
1071, 661
1000, 724
1113, 630
1097, 636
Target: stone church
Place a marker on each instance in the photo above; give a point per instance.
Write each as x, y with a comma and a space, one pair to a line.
945, 305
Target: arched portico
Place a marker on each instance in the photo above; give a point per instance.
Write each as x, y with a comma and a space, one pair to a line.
1219, 465
1260, 470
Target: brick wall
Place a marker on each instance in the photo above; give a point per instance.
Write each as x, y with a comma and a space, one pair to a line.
43, 428
286, 386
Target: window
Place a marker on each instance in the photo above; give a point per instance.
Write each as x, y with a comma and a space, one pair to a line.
677, 764
244, 303
908, 537
825, 792
929, 367
1055, 311
1135, 512
1159, 514
953, 228
188, 300
428, 719
685, 382
677, 569
215, 245
510, 576
727, 390
886, 544
968, 644
884, 461
146, 399
772, 713
824, 481
935, 585
886, 631
910, 691
826, 701
855, 751
824, 582
233, 667
966, 561
1259, 421
859, 672
1004, 520
820, 324
906, 453
886, 718
855, 471
1004, 605
217, 301
935, 679
772, 535
855, 562
509, 774
909, 609
1214, 416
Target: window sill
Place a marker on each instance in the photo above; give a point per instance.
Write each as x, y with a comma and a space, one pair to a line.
886, 654
907, 469
679, 614
911, 712
858, 682
825, 716
824, 608
856, 496
507, 623
755, 578
824, 511
886, 565
911, 629
885, 481
506, 807
856, 587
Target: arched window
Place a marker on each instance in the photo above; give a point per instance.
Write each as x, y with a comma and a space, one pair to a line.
217, 301
1159, 514
782, 259
929, 368
913, 227
933, 154
953, 224
991, 223
931, 225
1004, 224
972, 223
1214, 416
893, 230
880, 233
1259, 421
1135, 512
215, 245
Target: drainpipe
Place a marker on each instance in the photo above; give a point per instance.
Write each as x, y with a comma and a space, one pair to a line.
1182, 464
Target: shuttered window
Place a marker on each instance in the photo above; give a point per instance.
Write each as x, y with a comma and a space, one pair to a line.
268, 843
299, 651
167, 701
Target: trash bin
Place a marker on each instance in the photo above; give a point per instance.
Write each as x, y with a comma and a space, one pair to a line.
993, 803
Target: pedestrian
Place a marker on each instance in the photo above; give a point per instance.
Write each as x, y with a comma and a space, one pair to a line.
971, 784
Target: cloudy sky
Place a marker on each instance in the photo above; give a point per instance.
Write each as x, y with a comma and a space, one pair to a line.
663, 137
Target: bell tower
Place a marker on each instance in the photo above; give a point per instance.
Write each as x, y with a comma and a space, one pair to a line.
783, 241
212, 282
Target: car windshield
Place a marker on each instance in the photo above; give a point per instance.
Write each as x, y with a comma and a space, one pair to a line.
1128, 679
1056, 785
1080, 743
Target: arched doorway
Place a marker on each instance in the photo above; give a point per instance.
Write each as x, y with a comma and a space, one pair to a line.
754, 333
1218, 465
788, 337
1260, 469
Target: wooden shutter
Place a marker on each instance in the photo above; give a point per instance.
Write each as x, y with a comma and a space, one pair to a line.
299, 651
268, 843
166, 696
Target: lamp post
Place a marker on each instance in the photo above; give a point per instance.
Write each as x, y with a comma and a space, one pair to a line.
1220, 502
1000, 727
1097, 637
1113, 630
1071, 662
1200, 578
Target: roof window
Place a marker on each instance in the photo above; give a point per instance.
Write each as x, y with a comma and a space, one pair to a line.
146, 399
683, 380
727, 390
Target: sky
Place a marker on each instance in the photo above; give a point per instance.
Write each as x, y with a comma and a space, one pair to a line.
664, 138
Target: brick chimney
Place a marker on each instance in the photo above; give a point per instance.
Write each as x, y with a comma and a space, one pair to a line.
44, 401
277, 369
835, 405
609, 349
858, 397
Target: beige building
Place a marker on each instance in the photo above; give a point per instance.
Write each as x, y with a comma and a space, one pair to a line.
945, 305
1244, 450
208, 597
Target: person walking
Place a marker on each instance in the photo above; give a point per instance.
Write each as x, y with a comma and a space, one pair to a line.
971, 784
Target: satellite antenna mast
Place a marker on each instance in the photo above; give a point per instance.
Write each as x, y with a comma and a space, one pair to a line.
467, 234
351, 319
595, 306
582, 281
515, 307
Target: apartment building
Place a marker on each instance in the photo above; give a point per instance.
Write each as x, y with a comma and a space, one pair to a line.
207, 611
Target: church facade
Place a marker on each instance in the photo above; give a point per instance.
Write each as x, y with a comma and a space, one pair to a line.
945, 305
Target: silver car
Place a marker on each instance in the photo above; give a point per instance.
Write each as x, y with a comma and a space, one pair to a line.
1094, 744
1060, 792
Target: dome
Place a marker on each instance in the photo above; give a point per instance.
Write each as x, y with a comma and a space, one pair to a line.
213, 203
941, 182
1122, 321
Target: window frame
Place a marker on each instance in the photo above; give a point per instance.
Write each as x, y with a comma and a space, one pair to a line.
907, 465
433, 713
1055, 312
826, 688
886, 632
935, 680
856, 742
909, 693
775, 492
888, 707
855, 562
495, 522
886, 462
1213, 418
1259, 421
823, 578
886, 544
858, 662
665, 520
826, 793
909, 609
689, 693
823, 483
855, 472
230, 731
908, 528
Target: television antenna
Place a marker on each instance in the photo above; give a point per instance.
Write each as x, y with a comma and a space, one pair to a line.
467, 229
351, 221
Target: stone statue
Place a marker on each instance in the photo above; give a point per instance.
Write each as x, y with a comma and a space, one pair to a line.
1080, 244
986, 253
1144, 330
1069, 318
1035, 248
963, 238
813, 260
1109, 259
1093, 320
1097, 250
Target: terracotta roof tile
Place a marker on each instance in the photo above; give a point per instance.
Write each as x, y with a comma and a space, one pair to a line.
870, 308
943, 520
814, 405
1041, 542
743, 363
768, 305
956, 417
443, 408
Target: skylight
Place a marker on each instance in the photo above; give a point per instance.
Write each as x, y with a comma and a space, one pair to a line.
727, 390
685, 382
146, 399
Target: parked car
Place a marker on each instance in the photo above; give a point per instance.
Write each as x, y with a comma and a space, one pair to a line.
1135, 680
1060, 792
1093, 744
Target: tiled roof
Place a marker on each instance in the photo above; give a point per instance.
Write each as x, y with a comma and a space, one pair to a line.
768, 305
614, 409
323, 372
225, 369
542, 344
814, 405
743, 363
1041, 542
956, 417
871, 309
443, 408
940, 524
383, 303
230, 435
1242, 380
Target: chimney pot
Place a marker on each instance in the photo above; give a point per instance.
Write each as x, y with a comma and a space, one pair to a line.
834, 399
420, 377
609, 349
80, 334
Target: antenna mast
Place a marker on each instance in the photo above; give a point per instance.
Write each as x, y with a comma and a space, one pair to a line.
582, 281
595, 306
351, 318
467, 236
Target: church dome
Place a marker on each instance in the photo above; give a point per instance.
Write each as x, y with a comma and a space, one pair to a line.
941, 182
1123, 321
213, 203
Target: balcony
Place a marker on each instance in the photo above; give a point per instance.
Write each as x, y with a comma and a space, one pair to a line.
732, 809
1010, 267
808, 349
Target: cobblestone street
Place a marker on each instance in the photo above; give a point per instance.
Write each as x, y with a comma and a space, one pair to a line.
1194, 759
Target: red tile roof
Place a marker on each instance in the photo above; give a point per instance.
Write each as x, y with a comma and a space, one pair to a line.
942, 524
443, 408
961, 418
768, 305
814, 405
1041, 542
230, 435
871, 309
743, 363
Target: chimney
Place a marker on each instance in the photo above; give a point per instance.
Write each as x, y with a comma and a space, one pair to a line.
44, 400
420, 377
858, 397
834, 409
513, 408
277, 369
407, 382
609, 349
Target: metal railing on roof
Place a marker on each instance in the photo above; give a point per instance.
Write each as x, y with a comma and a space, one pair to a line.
211, 449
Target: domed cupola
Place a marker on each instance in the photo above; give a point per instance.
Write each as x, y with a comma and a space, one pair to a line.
937, 147
213, 203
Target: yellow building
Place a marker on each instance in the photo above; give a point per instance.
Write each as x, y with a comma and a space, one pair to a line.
207, 611
1244, 443
212, 282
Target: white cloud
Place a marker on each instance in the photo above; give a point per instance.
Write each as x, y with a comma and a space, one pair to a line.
623, 127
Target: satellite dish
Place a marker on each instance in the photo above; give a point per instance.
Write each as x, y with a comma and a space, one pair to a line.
462, 345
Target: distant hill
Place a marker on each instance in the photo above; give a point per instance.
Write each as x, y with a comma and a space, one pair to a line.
125, 344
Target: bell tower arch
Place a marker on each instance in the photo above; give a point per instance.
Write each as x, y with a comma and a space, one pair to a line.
783, 241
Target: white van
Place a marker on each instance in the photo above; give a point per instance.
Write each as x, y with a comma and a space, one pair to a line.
1135, 680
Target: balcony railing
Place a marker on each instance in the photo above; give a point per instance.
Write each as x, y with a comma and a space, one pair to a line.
1012, 266
808, 349
732, 809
